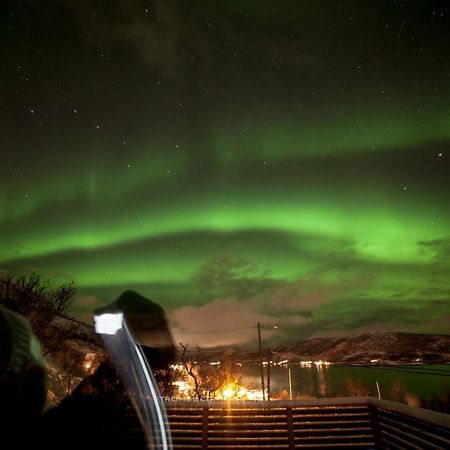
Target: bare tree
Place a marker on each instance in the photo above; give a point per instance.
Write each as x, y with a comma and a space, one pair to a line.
55, 336
190, 368
208, 380
41, 303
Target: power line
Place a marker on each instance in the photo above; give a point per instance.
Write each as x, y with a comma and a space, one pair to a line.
209, 331
198, 332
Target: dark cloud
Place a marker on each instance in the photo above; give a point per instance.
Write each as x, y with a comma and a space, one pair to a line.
236, 271
163, 36
227, 275
285, 309
352, 315
439, 249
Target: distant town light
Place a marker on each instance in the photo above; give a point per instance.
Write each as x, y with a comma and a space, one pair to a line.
88, 364
228, 393
319, 364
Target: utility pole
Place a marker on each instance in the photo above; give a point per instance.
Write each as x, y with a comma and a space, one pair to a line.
268, 373
261, 362
290, 383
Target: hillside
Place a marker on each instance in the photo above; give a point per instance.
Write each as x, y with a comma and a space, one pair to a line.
367, 348
380, 348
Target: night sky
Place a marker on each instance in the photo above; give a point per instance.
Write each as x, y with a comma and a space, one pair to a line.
285, 162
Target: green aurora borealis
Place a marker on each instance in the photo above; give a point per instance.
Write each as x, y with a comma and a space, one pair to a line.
286, 164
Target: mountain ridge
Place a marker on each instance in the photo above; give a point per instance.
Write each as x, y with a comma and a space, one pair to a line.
383, 348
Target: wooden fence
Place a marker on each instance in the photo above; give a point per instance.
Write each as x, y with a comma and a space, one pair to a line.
399, 427
336, 423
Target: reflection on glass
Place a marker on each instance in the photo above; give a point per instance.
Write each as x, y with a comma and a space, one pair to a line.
136, 376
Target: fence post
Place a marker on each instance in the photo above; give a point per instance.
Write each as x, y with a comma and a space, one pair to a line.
205, 427
375, 423
290, 427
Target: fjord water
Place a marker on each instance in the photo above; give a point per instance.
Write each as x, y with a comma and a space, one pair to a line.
424, 381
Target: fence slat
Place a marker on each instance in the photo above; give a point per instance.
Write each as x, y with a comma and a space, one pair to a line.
357, 424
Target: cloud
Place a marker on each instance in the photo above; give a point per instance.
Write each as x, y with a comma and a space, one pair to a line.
163, 36
288, 306
314, 305
234, 276
223, 281
170, 37
220, 316
436, 325
231, 322
439, 249
305, 294
373, 328
375, 314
